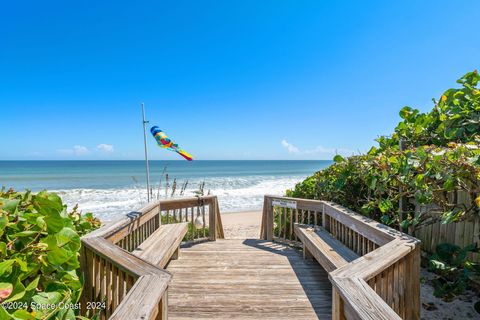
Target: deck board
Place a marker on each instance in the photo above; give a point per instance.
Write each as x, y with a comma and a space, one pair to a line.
247, 279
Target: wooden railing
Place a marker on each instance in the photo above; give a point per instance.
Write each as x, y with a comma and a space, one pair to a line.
119, 285
383, 283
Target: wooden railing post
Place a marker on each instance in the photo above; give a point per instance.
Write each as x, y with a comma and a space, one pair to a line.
412, 290
337, 306
87, 275
220, 233
266, 228
163, 308
263, 223
212, 220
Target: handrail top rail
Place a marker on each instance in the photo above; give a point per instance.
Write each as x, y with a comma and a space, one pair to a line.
363, 300
368, 265
123, 259
292, 198
115, 226
146, 293
388, 232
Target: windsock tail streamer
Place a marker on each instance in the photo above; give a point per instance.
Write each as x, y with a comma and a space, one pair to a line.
185, 154
165, 142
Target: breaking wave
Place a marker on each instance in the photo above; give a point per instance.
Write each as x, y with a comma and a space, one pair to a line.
241, 193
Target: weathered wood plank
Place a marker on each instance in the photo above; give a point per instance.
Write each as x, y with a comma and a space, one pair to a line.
361, 302
142, 301
327, 250
231, 279
162, 244
375, 231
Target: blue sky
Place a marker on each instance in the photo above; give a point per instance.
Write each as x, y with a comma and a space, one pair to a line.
224, 79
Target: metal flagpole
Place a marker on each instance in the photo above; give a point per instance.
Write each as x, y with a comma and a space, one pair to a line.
146, 152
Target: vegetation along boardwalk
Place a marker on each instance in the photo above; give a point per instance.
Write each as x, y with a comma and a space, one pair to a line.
247, 279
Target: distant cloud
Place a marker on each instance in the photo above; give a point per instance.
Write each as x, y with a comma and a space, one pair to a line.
77, 150
80, 150
290, 147
318, 150
107, 148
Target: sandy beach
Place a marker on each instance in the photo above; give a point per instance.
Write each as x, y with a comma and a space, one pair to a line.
242, 225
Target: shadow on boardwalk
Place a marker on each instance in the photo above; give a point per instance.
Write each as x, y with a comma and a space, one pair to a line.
308, 272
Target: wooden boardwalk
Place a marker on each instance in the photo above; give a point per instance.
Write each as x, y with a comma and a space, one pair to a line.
247, 279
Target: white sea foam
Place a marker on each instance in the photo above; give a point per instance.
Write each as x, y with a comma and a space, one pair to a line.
234, 193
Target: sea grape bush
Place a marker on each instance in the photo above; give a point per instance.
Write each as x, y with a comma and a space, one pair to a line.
454, 269
441, 157
39, 250
455, 117
370, 184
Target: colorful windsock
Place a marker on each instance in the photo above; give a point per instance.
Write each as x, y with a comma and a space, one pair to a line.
164, 142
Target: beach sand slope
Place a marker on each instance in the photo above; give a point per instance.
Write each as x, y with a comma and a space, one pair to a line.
242, 225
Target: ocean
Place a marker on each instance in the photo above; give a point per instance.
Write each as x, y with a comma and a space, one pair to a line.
110, 189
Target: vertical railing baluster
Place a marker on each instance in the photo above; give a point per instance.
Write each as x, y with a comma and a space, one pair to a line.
121, 285
203, 219
129, 282
91, 284
97, 278
296, 221
279, 220
197, 231
192, 223
290, 222
108, 288
115, 300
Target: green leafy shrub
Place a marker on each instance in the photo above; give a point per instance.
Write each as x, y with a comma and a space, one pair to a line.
454, 269
441, 158
39, 250
455, 117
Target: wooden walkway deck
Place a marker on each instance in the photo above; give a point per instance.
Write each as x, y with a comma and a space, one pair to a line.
247, 279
